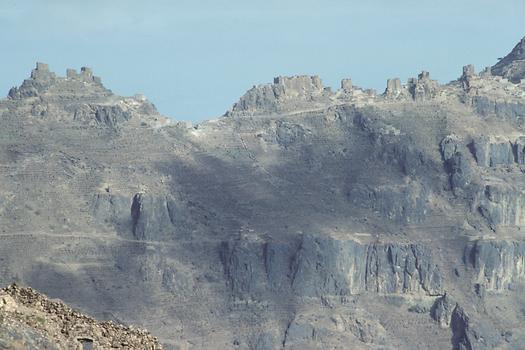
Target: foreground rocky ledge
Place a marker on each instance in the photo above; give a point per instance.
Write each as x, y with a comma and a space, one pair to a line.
29, 320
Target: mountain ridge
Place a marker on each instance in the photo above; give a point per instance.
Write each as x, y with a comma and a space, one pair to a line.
302, 218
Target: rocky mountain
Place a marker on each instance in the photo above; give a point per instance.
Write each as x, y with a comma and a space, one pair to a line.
303, 218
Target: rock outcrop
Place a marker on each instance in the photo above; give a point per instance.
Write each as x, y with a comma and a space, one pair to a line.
442, 310
491, 151
401, 204
498, 264
512, 66
285, 94
457, 162
323, 266
502, 205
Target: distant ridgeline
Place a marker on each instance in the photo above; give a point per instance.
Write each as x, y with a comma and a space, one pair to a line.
42, 78
79, 97
483, 91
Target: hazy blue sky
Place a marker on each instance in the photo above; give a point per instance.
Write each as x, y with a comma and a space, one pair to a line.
194, 58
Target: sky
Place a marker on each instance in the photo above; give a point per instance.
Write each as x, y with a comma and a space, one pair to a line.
194, 58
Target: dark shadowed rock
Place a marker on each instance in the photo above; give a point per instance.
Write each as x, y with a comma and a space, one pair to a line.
442, 310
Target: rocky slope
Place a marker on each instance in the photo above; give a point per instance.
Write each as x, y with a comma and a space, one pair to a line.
29, 320
302, 218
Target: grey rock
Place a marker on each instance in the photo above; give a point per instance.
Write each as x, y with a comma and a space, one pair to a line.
497, 263
468, 73
457, 162
493, 152
442, 310
110, 116
512, 66
501, 205
470, 334
152, 216
287, 133
323, 266
112, 209
423, 88
486, 106
342, 268
400, 204
519, 150
461, 338
298, 332
285, 94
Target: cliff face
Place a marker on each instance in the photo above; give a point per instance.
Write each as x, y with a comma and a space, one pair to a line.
302, 218
320, 266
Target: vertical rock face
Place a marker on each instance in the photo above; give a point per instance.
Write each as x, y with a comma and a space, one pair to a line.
112, 209
457, 162
487, 106
371, 175
491, 152
502, 205
400, 204
152, 216
145, 216
512, 66
323, 266
519, 150
497, 264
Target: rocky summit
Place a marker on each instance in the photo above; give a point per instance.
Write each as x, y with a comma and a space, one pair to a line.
303, 218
